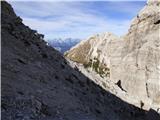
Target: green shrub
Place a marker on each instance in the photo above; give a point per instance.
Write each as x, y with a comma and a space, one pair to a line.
102, 70
89, 64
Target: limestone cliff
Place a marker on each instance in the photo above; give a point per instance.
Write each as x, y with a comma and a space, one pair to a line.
133, 59
140, 57
95, 52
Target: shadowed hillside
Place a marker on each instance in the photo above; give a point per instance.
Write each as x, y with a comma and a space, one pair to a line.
38, 83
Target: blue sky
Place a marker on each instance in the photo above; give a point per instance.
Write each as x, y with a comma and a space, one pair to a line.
77, 19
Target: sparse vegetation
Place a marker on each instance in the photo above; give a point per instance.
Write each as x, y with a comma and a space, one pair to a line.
102, 70
82, 51
89, 64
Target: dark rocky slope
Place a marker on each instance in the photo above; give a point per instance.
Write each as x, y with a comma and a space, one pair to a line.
38, 84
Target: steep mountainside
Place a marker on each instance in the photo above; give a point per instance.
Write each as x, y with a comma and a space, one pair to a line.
95, 52
38, 84
140, 56
132, 61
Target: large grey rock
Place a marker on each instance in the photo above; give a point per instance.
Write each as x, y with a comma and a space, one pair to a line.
140, 73
133, 59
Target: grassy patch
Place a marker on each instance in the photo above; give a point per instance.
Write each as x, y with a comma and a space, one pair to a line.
98, 67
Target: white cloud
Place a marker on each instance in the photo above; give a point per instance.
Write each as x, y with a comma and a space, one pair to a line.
67, 19
44, 25
85, 26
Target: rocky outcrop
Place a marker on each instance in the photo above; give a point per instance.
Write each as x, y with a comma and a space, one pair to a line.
133, 59
95, 52
38, 84
140, 56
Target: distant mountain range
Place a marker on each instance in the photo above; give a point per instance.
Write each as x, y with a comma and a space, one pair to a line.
63, 45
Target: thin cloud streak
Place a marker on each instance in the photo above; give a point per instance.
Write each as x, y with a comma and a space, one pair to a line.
72, 19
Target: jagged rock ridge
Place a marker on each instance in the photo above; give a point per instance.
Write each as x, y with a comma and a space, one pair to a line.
95, 52
133, 59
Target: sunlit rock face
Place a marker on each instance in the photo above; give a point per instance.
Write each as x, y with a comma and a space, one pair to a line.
140, 73
95, 52
133, 59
